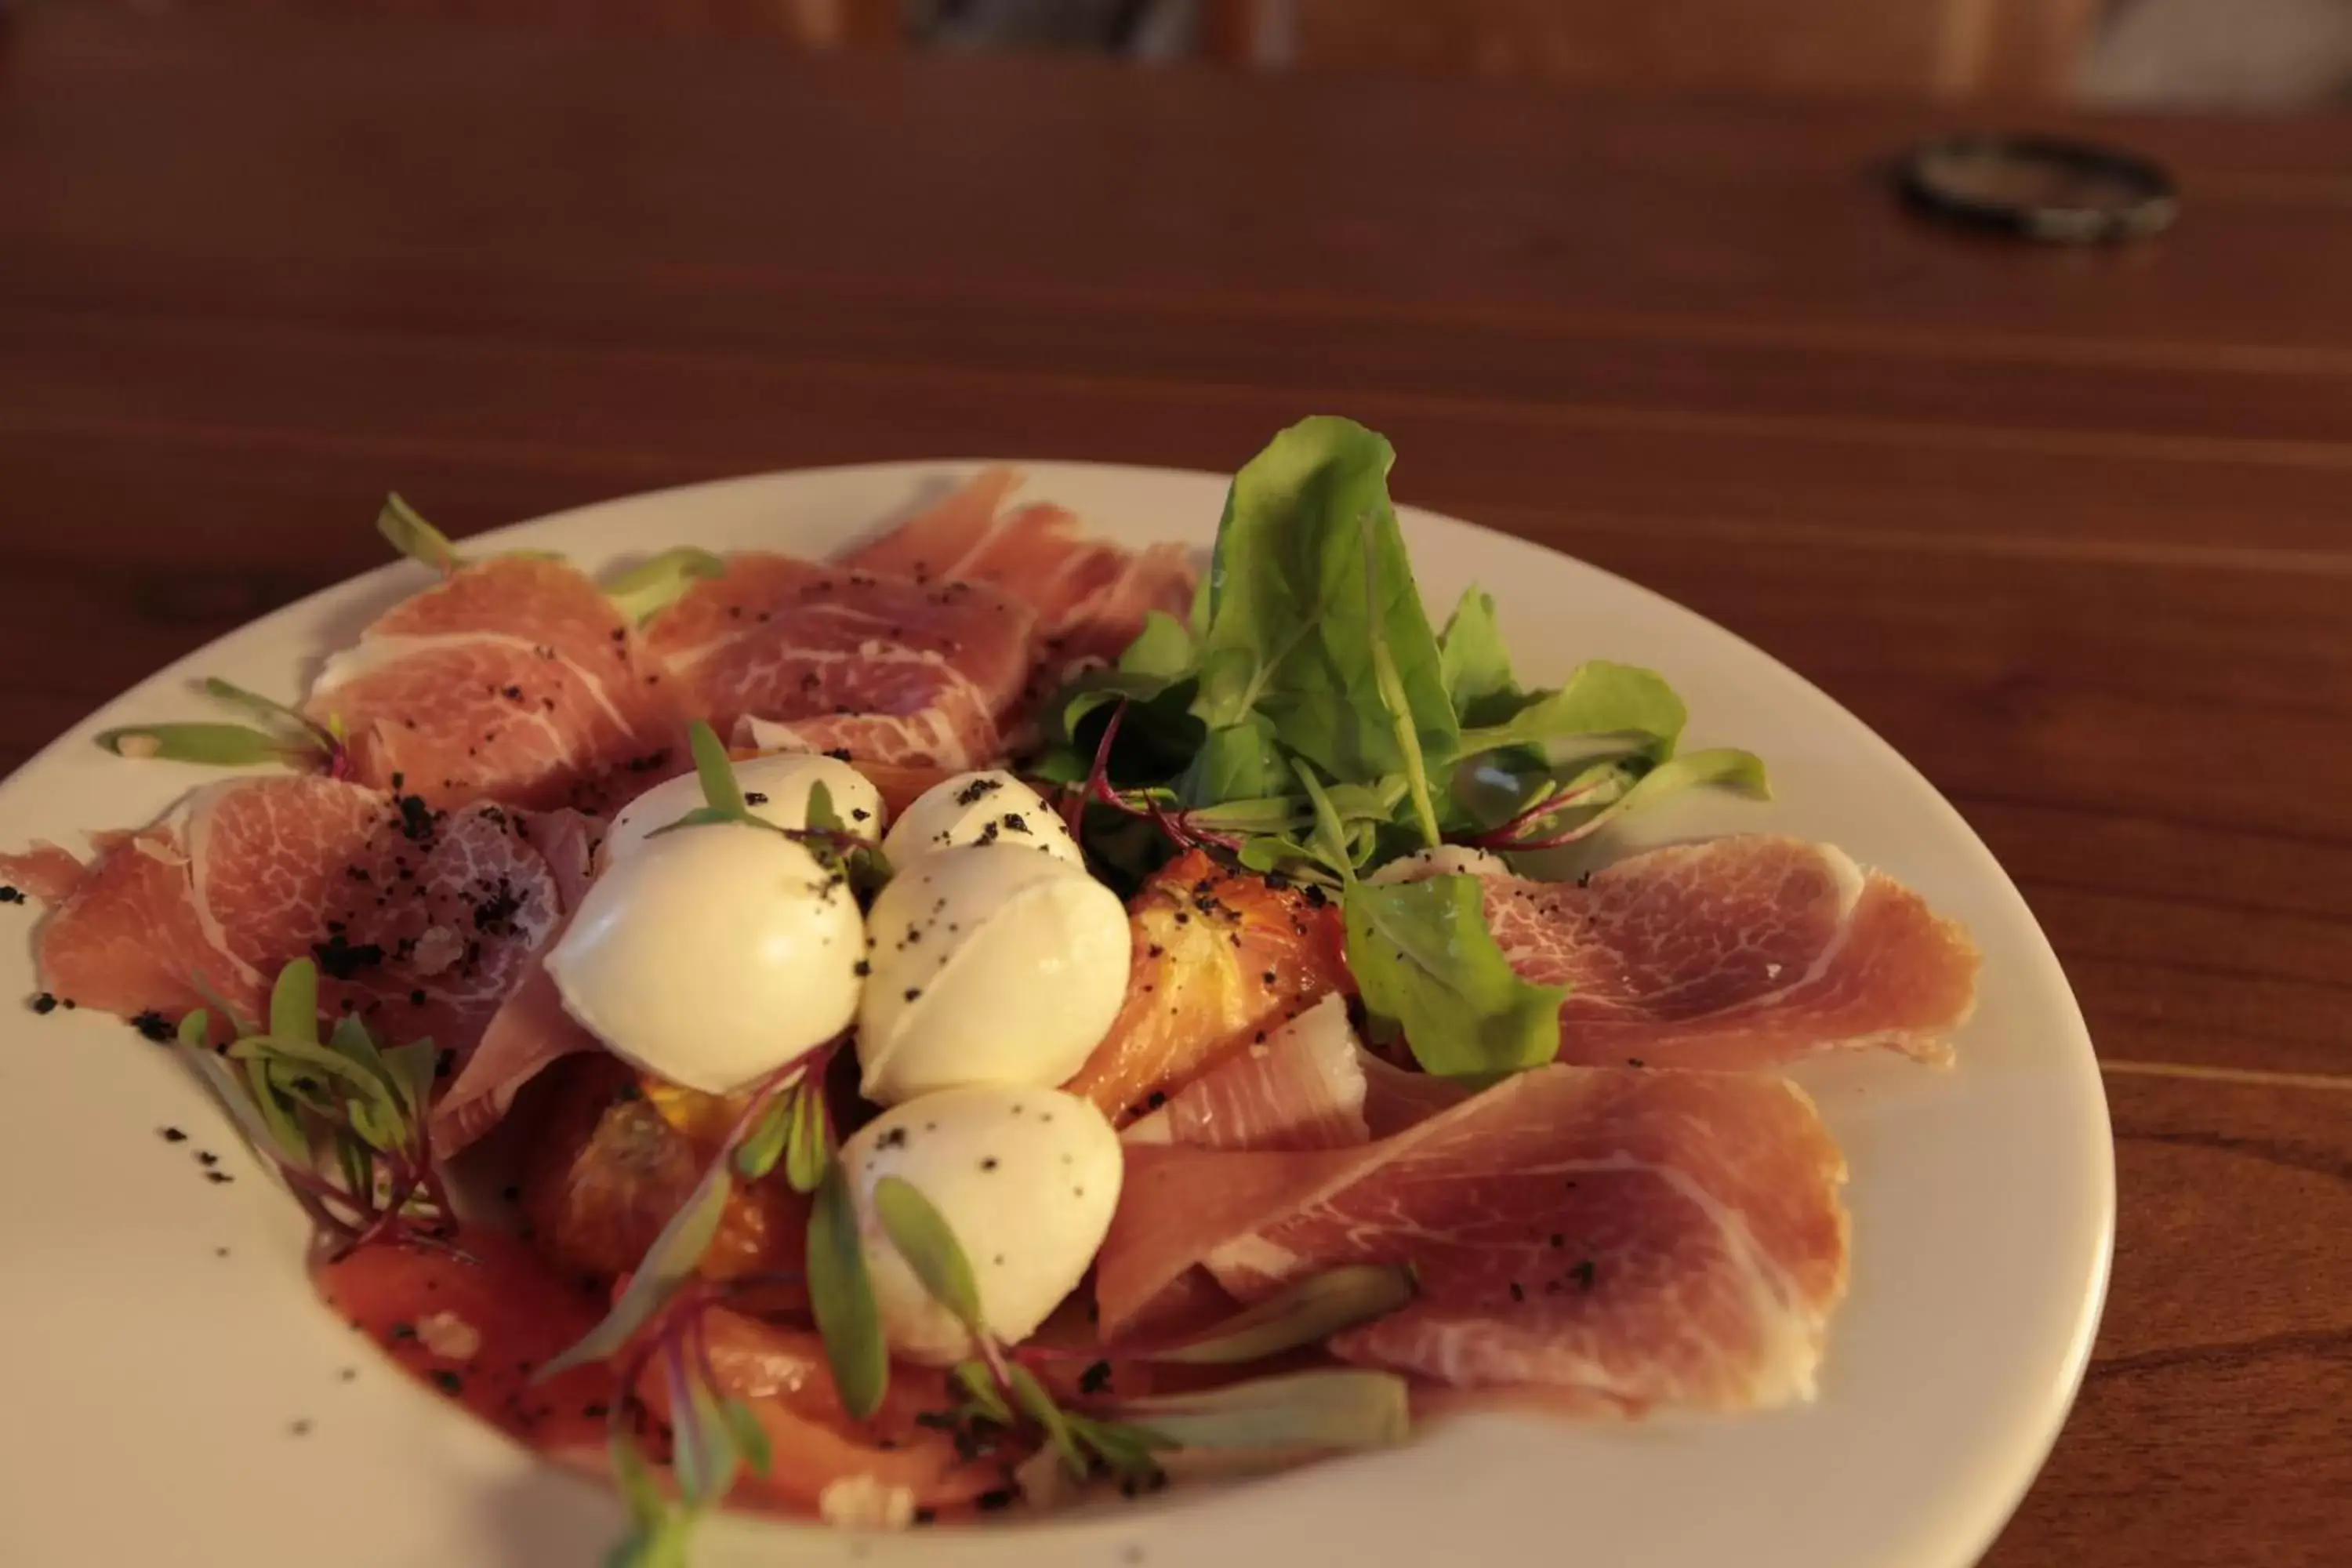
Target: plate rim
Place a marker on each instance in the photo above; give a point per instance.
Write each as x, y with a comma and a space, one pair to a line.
1992, 1506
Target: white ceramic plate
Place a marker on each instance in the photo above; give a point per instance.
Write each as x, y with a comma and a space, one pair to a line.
158, 1343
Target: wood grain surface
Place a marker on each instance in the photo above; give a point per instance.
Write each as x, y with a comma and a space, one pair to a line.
2072, 529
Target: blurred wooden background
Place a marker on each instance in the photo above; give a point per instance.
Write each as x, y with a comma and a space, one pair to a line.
2011, 48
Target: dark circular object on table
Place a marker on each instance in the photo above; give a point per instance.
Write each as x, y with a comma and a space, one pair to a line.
2068, 192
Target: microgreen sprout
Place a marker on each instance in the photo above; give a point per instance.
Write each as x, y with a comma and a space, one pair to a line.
1001, 1397
657, 1326
1177, 825
283, 736
343, 1118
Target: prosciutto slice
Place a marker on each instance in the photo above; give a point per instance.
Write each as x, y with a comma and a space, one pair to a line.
1090, 595
790, 655
420, 920
514, 681
1627, 1239
1738, 952
1302, 1088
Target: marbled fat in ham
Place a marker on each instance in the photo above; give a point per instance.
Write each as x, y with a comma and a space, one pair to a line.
513, 680
1738, 952
1624, 1237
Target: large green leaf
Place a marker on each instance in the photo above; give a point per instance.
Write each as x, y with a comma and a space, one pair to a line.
1313, 621
1425, 961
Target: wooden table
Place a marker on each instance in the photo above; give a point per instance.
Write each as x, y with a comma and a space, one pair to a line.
2072, 529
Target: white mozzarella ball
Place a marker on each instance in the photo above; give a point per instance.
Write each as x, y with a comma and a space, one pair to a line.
992, 807
712, 955
776, 787
990, 963
1026, 1178
1443, 860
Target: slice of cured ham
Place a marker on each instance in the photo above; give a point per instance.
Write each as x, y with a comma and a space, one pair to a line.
788, 654
1221, 959
1629, 1238
514, 679
1303, 1087
1090, 595
1738, 952
420, 920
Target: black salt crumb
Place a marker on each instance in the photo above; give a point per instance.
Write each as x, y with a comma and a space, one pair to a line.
1155, 1099
153, 1025
753, 797
207, 1159
9, 895
989, 1164
172, 1135
449, 1382
219, 1178
45, 1002
1096, 1379
990, 1501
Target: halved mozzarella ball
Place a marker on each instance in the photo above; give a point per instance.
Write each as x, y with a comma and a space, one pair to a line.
1445, 860
992, 807
712, 955
990, 963
1026, 1178
776, 787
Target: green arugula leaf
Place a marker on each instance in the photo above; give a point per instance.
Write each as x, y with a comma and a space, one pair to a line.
1240, 762
1163, 650
1600, 697
1312, 627
668, 1263
1725, 767
841, 1298
414, 537
1424, 961
921, 1234
1475, 664
653, 585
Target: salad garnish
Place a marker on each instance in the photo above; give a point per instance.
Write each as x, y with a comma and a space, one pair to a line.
646, 590
1005, 1398
290, 738
1308, 722
342, 1119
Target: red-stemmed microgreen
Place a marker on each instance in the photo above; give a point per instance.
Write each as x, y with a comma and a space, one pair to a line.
342, 1119
647, 589
1178, 826
284, 736
826, 835
1612, 789
657, 1325
1122, 1438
